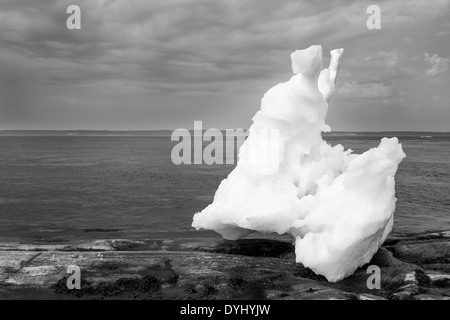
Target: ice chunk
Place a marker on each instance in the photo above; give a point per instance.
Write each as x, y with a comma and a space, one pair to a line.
337, 205
327, 78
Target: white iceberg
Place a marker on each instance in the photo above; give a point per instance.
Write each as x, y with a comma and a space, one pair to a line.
337, 205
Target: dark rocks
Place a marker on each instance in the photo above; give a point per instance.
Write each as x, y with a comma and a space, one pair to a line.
216, 269
144, 287
424, 253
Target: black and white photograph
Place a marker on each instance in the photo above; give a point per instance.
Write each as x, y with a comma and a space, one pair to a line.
218, 156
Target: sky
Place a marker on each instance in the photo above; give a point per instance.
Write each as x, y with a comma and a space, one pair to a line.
143, 65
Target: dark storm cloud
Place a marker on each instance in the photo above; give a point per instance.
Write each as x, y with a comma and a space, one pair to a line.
202, 55
173, 41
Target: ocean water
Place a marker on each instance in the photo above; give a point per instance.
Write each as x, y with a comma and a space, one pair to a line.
57, 186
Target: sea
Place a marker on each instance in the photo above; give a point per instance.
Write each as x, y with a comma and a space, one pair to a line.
76, 185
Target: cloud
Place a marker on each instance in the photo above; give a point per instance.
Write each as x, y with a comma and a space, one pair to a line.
443, 33
446, 26
391, 57
385, 58
164, 43
157, 43
139, 57
436, 64
364, 91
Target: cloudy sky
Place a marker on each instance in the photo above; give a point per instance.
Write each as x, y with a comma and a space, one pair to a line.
143, 64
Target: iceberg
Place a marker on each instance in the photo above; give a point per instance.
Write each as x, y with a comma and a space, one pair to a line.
337, 205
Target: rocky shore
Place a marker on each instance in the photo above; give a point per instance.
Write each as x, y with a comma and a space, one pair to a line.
412, 267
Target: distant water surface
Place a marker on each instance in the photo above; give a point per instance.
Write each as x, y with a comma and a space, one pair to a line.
67, 185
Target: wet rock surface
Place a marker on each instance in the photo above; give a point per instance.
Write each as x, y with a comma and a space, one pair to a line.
411, 267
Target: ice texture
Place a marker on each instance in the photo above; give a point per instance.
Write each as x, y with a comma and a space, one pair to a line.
337, 205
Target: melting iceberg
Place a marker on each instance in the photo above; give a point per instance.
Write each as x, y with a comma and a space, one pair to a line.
337, 205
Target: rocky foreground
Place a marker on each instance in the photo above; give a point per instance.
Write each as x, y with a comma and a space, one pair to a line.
412, 267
